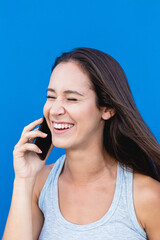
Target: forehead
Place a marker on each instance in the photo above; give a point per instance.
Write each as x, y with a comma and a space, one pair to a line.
69, 75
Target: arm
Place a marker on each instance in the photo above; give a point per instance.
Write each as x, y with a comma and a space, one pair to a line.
25, 218
147, 205
19, 222
152, 215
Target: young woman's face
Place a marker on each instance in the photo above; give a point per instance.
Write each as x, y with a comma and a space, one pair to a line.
72, 101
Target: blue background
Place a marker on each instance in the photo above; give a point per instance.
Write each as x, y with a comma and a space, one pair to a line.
34, 32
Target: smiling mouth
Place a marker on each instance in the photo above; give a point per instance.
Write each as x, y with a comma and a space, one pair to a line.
62, 130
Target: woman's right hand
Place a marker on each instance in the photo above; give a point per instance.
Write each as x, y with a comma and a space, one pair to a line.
26, 162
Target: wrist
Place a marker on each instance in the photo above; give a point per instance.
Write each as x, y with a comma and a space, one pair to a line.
24, 182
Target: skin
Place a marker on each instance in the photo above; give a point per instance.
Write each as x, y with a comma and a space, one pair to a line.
89, 173
86, 159
86, 156
146, 197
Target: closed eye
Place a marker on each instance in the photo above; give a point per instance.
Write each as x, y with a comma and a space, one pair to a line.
70, 99
50, 97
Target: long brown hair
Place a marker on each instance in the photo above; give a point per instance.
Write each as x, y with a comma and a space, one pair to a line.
126, 136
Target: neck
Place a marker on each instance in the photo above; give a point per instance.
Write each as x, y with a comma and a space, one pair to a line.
88, 165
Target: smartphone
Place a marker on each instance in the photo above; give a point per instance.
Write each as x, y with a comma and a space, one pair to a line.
43, 143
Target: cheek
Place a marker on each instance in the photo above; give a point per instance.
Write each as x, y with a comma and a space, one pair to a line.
91, 111
87, 113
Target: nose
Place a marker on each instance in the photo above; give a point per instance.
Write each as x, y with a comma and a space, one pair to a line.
57, 108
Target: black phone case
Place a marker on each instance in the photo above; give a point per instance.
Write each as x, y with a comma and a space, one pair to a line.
43, 143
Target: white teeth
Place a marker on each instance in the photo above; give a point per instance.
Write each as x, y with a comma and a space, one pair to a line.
62, 126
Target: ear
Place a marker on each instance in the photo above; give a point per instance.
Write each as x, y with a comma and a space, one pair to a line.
107, 113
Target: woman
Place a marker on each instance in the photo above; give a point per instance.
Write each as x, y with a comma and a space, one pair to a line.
106, 186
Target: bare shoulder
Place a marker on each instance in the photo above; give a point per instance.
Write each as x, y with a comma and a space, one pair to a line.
146, 184
41, 178
146, 197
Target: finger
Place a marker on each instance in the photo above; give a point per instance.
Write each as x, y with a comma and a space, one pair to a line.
26, 147
30, 136
30, 140
32, 125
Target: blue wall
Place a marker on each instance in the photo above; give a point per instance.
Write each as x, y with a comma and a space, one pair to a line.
34, 32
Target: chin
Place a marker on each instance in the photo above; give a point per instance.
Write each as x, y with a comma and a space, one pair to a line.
63, 145
59, 144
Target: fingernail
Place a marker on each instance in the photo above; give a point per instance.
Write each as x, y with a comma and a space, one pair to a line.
39, 151
45, 134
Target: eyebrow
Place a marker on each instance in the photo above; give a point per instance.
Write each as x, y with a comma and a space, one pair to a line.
66, 92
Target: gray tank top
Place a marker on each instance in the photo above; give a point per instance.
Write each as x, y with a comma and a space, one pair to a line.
119, 223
